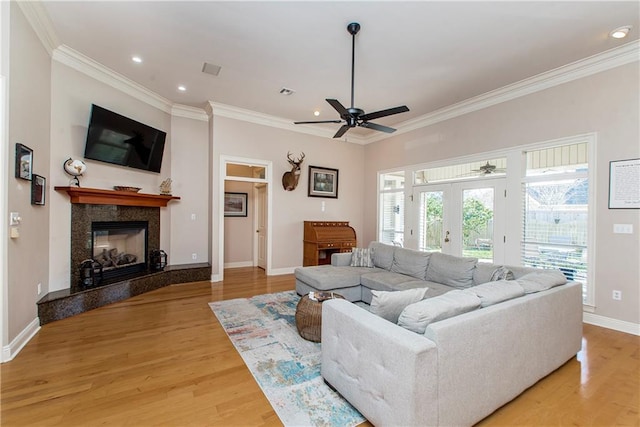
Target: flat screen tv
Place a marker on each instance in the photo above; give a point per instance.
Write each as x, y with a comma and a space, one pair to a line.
113, 138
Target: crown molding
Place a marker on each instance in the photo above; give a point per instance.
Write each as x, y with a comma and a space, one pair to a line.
82, 63
255, 117
604, 61
39, 20
189, 112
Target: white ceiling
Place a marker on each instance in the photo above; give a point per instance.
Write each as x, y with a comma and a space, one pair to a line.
426, 55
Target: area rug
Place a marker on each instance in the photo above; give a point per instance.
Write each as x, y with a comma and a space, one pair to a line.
286, 366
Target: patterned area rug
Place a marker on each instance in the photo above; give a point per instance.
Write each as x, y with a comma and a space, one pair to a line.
286, 366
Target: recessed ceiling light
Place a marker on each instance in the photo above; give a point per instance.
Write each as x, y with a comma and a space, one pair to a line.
620, 33
136, 59
316, 113
182, 88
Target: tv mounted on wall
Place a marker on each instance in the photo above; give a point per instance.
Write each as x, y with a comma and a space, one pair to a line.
113, 138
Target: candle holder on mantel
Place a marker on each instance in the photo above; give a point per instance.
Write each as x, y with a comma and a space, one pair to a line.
158, 260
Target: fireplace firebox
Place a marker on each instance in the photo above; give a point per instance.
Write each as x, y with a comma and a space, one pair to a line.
120, 247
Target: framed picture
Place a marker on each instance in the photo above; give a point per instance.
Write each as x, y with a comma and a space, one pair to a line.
235, 204
624, 184
24, 162
38, 186
323, 182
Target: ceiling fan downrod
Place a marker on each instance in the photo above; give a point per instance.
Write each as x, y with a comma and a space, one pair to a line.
353, 29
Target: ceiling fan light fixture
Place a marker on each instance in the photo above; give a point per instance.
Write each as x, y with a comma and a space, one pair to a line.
621, 32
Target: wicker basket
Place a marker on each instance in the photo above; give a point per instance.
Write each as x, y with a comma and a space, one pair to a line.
309, 315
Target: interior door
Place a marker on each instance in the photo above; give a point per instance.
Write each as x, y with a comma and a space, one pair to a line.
463, 218
261, 229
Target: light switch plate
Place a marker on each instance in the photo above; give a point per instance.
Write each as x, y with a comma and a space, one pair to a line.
14, 218
623, 228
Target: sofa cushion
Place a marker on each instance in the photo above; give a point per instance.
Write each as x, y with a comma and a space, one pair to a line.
382, 255
389, 305
541, 280
497, 291
519, 271
328, 277
361, 257
483, 272
451, 270
417, 316
382, 280
410, 262
501, 273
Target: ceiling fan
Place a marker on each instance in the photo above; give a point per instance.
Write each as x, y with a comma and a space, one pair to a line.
352, 116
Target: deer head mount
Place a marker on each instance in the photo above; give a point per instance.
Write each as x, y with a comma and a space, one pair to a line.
290, 179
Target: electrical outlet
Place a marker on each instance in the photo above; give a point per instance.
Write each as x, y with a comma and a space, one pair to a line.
194, 256
617, 295
193, 217
39, 288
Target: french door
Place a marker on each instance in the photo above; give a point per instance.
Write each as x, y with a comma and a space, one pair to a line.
462, 218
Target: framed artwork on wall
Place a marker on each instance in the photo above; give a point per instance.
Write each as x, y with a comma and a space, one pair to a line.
235, 204
24, 162
323, 182
624, 184
38, 189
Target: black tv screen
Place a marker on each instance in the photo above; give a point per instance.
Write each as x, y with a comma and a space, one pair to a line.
113, 138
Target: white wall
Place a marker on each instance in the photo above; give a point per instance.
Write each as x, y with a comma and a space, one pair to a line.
29, 111
237, 138
239, 232
606, 103
190, 181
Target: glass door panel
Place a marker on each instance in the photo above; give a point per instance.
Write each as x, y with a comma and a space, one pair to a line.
477, 223
431, 221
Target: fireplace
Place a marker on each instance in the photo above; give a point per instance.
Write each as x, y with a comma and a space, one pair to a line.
120, 247
113, 236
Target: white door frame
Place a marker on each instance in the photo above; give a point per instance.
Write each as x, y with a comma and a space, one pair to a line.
222, 177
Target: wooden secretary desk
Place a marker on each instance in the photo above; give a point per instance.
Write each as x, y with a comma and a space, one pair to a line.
323, 238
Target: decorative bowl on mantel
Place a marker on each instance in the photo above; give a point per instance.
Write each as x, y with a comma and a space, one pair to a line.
126, 188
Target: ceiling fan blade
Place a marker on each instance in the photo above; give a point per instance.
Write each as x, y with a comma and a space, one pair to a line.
375, 126
341, 131
317, 121
338, 107
385, 113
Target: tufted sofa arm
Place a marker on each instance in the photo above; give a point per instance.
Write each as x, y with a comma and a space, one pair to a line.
375, 364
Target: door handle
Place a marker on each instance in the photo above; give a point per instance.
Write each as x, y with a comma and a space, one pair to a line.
446, 237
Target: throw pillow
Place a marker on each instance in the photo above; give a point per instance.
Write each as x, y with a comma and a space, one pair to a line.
417, 316
389, 305
501, 273
494, 292
541, 281
361, 257
451, 270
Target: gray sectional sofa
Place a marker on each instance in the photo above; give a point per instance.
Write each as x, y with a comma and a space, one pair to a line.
496, 331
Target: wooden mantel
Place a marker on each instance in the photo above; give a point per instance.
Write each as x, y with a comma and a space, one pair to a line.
94, 196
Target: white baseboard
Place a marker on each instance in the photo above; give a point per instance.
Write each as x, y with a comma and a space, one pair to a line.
238, 264
609, 323
281, 271
10, 351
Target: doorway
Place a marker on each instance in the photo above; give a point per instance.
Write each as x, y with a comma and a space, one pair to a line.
462, 219
257, 175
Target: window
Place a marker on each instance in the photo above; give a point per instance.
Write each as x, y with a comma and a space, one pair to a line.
556, 211
391, 199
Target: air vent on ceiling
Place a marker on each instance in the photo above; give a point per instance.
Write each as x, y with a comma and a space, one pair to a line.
286, 91
214, 70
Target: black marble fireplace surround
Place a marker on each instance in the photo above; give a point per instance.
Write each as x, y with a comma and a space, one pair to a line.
83, 215
75, 300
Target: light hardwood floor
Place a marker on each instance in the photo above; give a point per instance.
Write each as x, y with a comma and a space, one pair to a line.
162, 358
